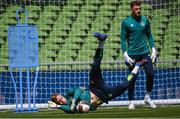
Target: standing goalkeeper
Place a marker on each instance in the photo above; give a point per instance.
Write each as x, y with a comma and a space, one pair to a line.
136, 38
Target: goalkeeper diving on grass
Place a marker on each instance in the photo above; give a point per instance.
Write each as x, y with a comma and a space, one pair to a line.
84, 100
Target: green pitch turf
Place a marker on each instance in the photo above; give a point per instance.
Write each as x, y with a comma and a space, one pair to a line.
142, 112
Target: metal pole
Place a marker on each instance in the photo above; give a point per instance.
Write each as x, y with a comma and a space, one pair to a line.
15, 89
21, 90
28, 82
34, 88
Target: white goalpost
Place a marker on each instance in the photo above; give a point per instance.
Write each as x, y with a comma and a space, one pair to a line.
66, 48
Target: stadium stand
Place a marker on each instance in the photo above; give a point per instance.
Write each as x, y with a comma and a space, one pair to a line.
172, 37
71, 27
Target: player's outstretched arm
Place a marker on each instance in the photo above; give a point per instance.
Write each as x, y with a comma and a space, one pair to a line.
64, 108
52, 104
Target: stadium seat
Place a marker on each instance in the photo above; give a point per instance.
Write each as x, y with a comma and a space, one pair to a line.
94, 2
3, 32
146, 6
1, 41
90, 8
114, 3
85, 55
12, 9
47, 56
56, 40
86, 16
62, 34
33, 16
52, 8
66, 55
71, 8
76, 3
33, 8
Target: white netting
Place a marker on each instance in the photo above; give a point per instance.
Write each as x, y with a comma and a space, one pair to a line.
66, 45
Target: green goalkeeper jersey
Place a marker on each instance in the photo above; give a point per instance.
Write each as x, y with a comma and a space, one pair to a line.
79, 94
134, 35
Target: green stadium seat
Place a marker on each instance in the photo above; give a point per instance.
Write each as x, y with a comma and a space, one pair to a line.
146, 13
42, 34
71, 8
47, 56
12, 9
34, 16
4, 53
51, 46
85, 55
3, 33
41, 41
2, 10
43, 26
33, 8
86, 16
66, 55
161, 13
94, 2
90, 8
1, 41
56, 40
70, 45
62, 35
145, 6
81, 34
76, 3
123, 11
52, 8
64, 67
112, 3
107, 6
124, 8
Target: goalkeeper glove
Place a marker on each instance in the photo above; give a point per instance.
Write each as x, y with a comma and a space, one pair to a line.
52, 104
128, 59
153, 55
72, 106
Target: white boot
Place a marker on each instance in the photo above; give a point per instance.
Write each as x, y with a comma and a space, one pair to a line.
148, 101
131, 105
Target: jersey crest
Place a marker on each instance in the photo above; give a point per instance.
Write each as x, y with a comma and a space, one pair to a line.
142, 23
132, 25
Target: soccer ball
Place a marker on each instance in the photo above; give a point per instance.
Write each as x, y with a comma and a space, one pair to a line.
83, 107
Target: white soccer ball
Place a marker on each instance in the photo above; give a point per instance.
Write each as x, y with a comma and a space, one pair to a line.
83, 108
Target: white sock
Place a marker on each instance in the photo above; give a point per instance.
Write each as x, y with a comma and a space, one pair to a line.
135, 70
148, 93
101, 45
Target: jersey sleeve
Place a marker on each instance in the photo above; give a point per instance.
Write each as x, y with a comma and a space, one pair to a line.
149, 34
123, 36
74, 93
65, 108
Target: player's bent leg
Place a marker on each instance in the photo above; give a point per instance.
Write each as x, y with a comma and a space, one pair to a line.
121, 88
95, 72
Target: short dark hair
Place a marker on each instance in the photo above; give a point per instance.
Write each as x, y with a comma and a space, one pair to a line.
135, 3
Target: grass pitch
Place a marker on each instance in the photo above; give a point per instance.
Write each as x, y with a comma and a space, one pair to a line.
141, 112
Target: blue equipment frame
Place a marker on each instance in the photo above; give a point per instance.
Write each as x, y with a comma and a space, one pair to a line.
23, 55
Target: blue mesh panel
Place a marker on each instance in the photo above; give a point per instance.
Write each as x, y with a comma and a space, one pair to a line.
23, 46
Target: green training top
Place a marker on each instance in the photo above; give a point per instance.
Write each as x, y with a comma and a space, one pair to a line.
79, 94
135, 32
